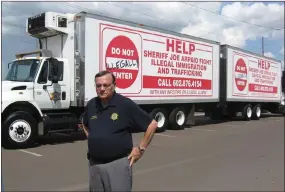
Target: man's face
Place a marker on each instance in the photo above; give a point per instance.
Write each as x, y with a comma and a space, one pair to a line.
104, 86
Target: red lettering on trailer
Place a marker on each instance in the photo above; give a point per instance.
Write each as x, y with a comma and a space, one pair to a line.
154, 54
176, 83
263, 64
177, 46
262, 88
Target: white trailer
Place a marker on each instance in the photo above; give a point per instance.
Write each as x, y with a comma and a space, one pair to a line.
166, 73
250, 83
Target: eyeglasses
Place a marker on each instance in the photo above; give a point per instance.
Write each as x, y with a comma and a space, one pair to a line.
98, 86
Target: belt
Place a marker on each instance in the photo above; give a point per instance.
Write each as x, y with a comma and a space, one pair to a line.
94, 160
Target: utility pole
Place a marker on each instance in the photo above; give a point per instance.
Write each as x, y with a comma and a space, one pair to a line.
262, 48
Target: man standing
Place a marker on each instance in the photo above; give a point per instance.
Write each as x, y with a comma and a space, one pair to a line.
108, 122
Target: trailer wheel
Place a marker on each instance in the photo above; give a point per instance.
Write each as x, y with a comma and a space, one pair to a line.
19, 130
160, 115
256, 112
247, 112
178, 118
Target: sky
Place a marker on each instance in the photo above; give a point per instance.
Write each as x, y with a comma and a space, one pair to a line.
240, 24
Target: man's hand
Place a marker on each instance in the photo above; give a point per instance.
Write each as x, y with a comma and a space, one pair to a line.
134, 156
84, 128
136, 153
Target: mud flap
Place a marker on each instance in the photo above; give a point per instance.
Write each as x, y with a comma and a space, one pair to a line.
191, 116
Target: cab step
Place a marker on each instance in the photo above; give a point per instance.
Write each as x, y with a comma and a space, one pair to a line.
60, 122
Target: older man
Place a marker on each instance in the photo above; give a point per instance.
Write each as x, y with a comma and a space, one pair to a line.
108, 122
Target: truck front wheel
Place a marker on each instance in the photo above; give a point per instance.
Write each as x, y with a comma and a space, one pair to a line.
19, 130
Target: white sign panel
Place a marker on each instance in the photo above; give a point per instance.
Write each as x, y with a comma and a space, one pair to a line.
252, 77
149, 64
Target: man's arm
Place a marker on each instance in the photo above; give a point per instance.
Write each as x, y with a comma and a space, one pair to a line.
141, 121
148, 134
84, 121
85, 128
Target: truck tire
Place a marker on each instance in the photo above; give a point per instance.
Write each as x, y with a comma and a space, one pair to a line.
247, 112
256, 112
177, 118
19, 130
160, 115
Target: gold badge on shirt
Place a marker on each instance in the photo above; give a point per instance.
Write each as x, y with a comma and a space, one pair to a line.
114, 116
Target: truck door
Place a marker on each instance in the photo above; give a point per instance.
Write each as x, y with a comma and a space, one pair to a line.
56, 95
41, 96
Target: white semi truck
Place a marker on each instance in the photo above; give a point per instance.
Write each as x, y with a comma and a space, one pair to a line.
170, 75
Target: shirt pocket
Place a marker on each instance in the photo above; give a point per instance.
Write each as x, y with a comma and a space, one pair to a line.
117, 121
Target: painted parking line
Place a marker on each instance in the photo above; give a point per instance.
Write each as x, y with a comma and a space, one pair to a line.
31, 153
164, 135
196, 129
231, 125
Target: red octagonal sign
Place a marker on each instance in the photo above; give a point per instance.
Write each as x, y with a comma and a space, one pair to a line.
241, 75
122, 59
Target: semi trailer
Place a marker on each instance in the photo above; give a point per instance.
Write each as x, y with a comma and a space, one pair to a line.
169, 75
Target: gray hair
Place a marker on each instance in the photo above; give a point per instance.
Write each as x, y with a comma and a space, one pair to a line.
105, 72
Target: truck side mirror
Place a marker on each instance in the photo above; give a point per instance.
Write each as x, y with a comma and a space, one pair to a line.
53, 70
9, 65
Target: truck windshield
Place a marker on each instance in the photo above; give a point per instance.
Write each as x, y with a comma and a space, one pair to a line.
23, 70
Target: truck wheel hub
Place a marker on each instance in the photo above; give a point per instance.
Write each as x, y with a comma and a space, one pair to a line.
249, 112
20, 131
258, 111
180, 118
160, 119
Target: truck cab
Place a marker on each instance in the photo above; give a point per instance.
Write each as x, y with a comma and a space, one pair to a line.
36, 92
38, 80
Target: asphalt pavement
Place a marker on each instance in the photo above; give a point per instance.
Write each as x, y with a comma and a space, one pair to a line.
211, 156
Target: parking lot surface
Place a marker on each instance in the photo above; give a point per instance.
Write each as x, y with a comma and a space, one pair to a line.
211, 156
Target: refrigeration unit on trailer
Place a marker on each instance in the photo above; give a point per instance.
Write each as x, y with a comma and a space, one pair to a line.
166, 73
250, 83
